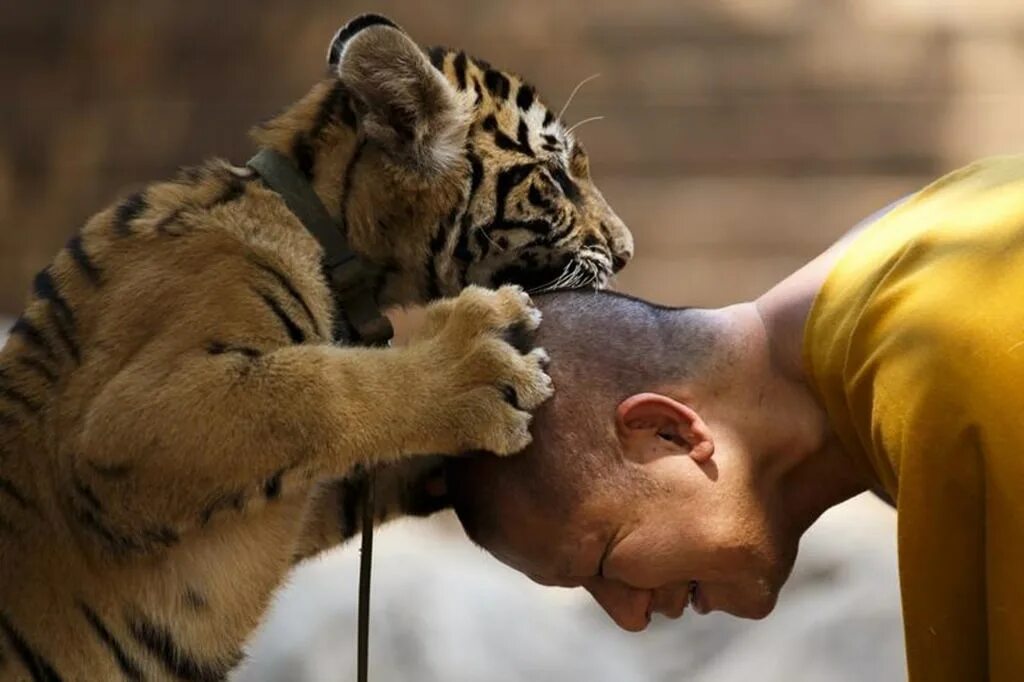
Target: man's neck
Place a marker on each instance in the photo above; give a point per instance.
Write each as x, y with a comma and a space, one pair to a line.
795, 458
821, 475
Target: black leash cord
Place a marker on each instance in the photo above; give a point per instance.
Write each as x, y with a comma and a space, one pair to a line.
365, 566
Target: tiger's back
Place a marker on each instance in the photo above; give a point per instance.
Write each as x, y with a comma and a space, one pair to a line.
83, 328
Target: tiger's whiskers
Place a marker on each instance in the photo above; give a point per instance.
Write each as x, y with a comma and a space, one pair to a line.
574, 91
487, 236
579, 123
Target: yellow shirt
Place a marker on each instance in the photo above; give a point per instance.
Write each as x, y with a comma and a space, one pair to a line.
915, 345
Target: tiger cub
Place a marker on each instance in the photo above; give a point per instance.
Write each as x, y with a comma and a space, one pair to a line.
173, 407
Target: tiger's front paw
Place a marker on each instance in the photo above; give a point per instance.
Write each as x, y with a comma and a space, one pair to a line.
489, 376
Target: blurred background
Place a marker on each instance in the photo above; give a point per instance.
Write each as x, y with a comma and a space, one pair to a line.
740, 138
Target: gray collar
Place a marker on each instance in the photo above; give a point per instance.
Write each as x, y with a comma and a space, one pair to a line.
351, 278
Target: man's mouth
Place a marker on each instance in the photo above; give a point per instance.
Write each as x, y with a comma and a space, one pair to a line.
695, 598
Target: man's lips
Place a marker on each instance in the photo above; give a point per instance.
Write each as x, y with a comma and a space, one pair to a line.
671, 603
697, 598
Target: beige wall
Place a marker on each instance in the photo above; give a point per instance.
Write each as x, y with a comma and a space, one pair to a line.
740, 136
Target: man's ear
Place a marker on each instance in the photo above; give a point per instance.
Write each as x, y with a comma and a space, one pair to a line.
406, 106
651, 425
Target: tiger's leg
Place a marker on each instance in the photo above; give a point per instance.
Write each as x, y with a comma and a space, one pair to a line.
221, 431
408, 487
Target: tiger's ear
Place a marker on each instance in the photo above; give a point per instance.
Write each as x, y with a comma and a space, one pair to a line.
406, 106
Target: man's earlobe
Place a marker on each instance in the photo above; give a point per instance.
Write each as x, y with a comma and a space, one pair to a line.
645, 420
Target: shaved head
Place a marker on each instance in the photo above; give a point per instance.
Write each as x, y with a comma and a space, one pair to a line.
604, 347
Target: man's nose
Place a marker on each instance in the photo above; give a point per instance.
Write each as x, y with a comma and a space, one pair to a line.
628, 607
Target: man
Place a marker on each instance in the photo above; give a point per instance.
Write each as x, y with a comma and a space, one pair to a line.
686, 451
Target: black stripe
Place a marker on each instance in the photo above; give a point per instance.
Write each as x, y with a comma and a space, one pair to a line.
235, 500
8, 488
16, 396
295, 332
332, 107
234, 190
484, 242
461, 255
461, 252
497, 83
83, 489
220, 348
292, 291
111, 471
549, 118
30, 333
37, 666
164, 536
433, 282
564, 231
507, 180
305, 157
164, 226
525, 96
437, 243
459, 64
534, 196
119, 544
523, 137
77, 251
476, 176
194, 599
192, 175
569, 187
346, 183
343, 107
504, 141
482, 64
437, 55
350, 29
64, 320
129, 668
272, 486
159, 641
129, 209
39, 367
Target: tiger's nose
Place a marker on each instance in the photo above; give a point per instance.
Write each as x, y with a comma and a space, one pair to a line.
619, 260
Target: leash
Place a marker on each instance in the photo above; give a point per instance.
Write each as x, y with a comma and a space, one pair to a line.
352, 282
365, 569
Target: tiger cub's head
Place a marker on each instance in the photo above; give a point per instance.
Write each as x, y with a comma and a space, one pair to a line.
448, 171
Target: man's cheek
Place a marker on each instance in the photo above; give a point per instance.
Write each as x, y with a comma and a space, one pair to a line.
646, 561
